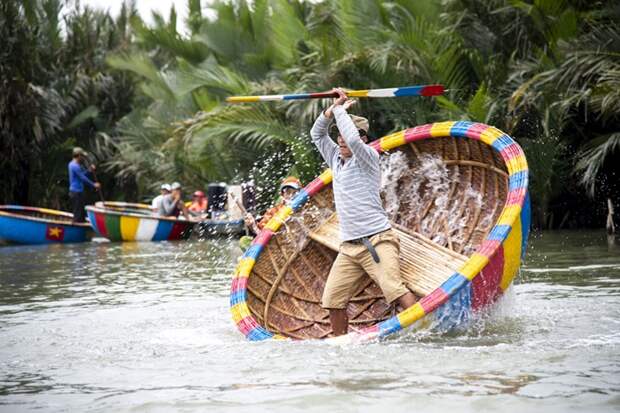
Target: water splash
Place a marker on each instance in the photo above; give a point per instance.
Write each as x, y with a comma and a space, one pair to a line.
299, 226
420, 195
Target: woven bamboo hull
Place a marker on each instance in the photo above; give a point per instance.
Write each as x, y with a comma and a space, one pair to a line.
30, 225
458, 262
117, 225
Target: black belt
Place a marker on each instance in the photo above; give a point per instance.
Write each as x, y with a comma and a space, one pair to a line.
366, 242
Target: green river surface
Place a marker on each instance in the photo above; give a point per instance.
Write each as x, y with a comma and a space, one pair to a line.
145, 327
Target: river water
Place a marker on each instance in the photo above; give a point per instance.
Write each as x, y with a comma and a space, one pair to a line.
144, 327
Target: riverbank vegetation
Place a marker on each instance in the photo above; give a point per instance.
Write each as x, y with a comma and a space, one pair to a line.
56, 92
147, 100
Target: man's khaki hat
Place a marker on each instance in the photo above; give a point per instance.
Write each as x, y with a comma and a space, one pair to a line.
360, 122
79, 151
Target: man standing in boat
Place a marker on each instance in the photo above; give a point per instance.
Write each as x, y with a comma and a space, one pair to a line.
77, 177
369, 245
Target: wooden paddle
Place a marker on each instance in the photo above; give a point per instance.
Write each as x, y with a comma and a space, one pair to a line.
424, 90
100, 191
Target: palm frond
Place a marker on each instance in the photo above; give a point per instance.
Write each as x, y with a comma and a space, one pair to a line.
90, 112
221, 81
592, 158
140, 64
287, 30
167, 38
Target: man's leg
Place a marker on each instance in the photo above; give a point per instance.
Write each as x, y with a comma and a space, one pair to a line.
407, 300
341, 283
386, 273
339, 320
73, 196
78, 207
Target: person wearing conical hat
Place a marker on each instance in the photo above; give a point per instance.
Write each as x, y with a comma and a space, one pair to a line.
368, 244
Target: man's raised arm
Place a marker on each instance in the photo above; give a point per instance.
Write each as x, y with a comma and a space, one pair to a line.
321, 139
362, 152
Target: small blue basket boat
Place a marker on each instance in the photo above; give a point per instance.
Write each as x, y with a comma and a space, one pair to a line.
31, 225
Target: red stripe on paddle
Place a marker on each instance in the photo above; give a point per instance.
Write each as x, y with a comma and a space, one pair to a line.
323, 95
432, 90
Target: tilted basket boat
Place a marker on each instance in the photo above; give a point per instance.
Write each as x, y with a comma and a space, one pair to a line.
121, 222
456, 194
31, 225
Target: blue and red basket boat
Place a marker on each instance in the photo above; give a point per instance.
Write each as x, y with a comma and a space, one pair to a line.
456, 194
31, 225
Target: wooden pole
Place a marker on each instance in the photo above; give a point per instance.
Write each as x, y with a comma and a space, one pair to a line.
610, 226
100, 190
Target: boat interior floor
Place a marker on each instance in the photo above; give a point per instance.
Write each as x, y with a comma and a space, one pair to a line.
424, 265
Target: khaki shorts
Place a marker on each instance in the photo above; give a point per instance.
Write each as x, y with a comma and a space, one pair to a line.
354, 262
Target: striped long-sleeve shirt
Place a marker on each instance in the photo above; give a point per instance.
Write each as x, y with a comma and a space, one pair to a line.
357, 180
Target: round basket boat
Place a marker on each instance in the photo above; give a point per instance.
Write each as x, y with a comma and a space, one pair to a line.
30, 225
456, 194
116, 224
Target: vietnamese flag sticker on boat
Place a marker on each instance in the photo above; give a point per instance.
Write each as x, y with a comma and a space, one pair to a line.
55, 233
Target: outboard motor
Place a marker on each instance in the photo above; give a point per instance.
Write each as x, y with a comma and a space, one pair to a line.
218, 196
249, 196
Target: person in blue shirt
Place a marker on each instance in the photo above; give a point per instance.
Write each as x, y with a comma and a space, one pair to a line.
78, 175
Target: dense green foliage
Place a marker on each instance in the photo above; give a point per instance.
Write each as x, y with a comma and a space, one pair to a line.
545, 71
56, 92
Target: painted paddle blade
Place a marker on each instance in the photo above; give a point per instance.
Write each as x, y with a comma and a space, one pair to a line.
425, 90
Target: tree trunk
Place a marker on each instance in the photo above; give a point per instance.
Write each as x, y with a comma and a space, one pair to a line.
611, 228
